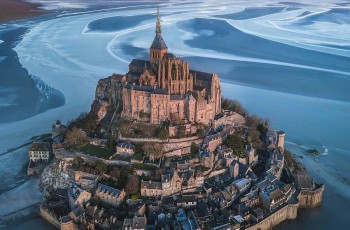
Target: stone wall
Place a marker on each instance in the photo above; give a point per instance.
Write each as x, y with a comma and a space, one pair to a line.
311, 199
289, 212
34, 170
178, 152
49, 217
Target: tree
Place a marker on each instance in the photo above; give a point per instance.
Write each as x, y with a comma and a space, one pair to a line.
153, 151
123, 179
111, 144
133, 185
75, 137
233, 105
101, 167
194, 148
162, 133
235, 142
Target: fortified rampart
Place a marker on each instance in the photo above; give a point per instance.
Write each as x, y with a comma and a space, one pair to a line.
289, 212
311, 198
49, 217
306, 199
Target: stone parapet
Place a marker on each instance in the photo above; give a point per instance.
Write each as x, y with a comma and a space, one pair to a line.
288, 212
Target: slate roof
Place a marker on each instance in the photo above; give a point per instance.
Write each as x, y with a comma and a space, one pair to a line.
40, 146
160, 91
202, 76
186, 199
125, 145
140, 63
158, 42
144, 88
177, 97
151, 185
138, 222
108, 189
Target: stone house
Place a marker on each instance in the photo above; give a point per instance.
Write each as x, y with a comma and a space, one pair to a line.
77, 196
110, 195
206, 158
40, 152
272, 198
151, 189
125, 148
188, 201
196, 180
136, 223
243, 184
77, 215
251, 199
220, 200
183, 167
171, 183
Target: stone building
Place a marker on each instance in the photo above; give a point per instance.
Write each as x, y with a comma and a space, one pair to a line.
77, 196
40, 151
151, 189
125, 148
166, 89
110, 195
171, 184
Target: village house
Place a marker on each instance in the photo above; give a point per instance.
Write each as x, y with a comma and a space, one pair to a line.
40, 152
171, 183
206, 158
110, 195
187, 201
239, 170
251, 199
243, 184
125, 148
136, 223
272, 198
151, 189
77, 196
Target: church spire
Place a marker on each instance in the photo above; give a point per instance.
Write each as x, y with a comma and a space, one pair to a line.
159, 27
158, 48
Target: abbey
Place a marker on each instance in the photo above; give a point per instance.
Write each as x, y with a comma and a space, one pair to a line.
166, 89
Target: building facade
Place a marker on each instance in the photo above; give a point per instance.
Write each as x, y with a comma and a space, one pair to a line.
110, 195
166, 89
40, 151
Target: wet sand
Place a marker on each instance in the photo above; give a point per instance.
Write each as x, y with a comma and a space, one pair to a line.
17, 9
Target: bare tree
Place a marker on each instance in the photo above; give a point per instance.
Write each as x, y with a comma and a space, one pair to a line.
153, 151
133, 185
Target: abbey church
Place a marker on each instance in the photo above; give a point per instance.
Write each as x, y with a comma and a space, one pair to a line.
166, 89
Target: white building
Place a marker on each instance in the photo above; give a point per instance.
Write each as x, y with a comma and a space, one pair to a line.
40, 151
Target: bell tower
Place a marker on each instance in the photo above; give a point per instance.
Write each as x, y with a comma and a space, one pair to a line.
158, 47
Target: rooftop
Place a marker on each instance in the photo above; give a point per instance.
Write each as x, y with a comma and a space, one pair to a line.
158, 42
40, 146
109, 190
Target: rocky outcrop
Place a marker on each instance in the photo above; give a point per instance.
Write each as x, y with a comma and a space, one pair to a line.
55, 176
107, 106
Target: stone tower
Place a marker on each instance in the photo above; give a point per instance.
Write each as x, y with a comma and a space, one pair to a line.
158, 48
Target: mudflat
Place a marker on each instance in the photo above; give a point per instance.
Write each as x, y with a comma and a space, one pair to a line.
17, 9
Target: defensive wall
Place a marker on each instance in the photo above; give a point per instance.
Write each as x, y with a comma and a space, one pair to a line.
306, 199
288, 212
49, 217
